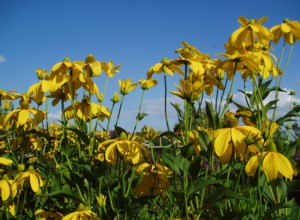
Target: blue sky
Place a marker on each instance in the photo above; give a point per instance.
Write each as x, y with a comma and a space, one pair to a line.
134, 33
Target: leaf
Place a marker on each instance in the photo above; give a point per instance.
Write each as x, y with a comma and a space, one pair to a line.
169, 159
224, 193
212, 116
294, 112
140, 116
269, 106
119, 130
82, 125
65, 194
196, 186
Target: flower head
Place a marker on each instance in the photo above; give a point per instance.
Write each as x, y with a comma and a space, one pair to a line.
290, 30
87, 110
275, 165
130, 149
126, 86
33, 177
250, 31
81, 213
147, 83
233, 139
165, 66
154, 180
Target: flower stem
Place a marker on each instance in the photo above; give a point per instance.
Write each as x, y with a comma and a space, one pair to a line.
166, 115
121, 104
138, 115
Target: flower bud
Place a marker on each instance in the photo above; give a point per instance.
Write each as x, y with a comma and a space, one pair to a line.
115, 98
90, 59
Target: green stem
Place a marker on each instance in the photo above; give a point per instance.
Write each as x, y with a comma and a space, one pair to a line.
111, 111
138, 115
121, 104
230, 90
165, 104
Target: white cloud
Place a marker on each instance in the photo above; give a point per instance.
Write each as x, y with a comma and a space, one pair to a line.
2, 59
283, 104
54, 116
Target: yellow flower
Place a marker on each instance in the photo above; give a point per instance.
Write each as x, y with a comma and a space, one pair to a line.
92, 66
80, 214
126, 86
5, 161
38, 90
189, 90
250, 31
274, 164
110, 69
147, 83
238, 59
131, 150
194, 140
192, 56
165, 66
233, 140
87, 110
61, 67
44, 215
290, 30
8, 188
154, 180
9, 95
41, 74
33, 177
21, 115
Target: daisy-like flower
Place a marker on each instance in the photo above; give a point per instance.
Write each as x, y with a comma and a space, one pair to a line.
189, 90
21, 115
232, 139
250, 31
166, 66
92, 66
154, 180
274, 164
126, 86
290, 30
81, 213
192, 56
40, 88
87, 110
109, 68
10, 95
130, 149
33, 177
8, 188
44, 215
147, 83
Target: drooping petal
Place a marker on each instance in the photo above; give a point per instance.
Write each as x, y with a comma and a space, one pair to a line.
23, 116
252, 165
285, 167
221, 143
34, 183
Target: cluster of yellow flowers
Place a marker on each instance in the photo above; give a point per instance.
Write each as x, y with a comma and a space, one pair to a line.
26, 138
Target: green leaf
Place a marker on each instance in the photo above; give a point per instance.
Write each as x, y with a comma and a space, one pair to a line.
224, 193
294, 112
268, 106
196, 186
65, 194
171, 161
140, 116
212, 116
